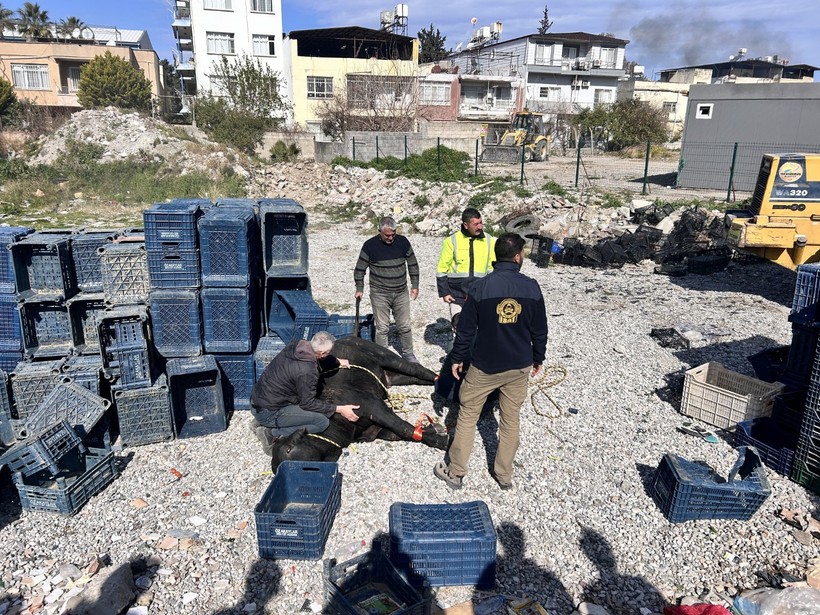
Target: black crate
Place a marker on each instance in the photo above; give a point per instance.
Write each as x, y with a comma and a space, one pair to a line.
43, 450
7, 433
284, 237
806, 295
145, 414
71, 402
788, 410
32, 382
176, 322
775, 446
806, 470
803, 350
231, 319
46, 329
43, 265
238, 378
769, 364
125, 347
197, 401
84, 312
86, 256
124, 273
8, 236
85, 370
229, 246
707, 264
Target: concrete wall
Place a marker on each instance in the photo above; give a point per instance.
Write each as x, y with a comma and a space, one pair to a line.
761, 118
303, 140
390, 144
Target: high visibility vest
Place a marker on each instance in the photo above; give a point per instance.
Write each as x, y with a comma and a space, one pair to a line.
455, 260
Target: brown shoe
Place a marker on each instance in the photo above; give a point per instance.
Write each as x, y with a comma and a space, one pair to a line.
442, 472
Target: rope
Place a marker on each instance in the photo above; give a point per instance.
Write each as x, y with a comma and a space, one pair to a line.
541, 383
396, 401
328, 440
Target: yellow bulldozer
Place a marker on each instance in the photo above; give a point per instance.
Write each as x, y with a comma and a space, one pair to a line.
782, 223
525, 137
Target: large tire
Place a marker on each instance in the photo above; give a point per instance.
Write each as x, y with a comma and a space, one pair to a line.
528, 224
540, 152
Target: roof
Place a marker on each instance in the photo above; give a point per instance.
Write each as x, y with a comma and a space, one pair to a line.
349, 32
745, 63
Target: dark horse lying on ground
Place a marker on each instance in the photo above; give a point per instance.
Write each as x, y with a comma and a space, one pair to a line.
358, 387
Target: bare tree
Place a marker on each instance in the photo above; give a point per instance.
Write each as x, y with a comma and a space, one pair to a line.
545, 24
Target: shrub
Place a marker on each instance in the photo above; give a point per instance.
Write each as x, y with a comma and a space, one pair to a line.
284, 152
78, 157
230, 126
7, 98
109, 80
553, 187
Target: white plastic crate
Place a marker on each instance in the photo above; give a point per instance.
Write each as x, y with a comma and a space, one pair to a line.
723, 398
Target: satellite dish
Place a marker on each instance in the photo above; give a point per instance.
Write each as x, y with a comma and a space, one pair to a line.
87, 33
458, 47
76, 33
474, 21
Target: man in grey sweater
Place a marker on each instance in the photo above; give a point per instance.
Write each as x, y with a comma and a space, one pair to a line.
390, 258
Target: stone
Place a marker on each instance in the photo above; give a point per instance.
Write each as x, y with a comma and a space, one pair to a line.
587, 608
111, 591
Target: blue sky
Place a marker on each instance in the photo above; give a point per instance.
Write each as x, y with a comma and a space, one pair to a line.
661, 34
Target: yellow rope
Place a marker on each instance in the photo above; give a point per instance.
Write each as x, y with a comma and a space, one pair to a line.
328, 440
540, 384
396, 401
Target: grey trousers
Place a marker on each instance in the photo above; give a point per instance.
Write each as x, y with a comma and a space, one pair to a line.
290, 419
397, 302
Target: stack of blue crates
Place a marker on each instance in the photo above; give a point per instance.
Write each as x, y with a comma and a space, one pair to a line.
11, 334
230, 251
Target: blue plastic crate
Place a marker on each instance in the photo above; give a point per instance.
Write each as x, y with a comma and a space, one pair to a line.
687, 490
67, 492
231, 319
124, 347
8, 236
85, 370
226, 202
229, 246
268, 347
124, 273
343, 326
776, 447
295, 315
803, 350
10, 330
174, 269
367, 579
788, 410
71, 402
806, 295
176, 322
806, 468
84, 312
238, 378
46, 329
172, 224
197, 401
284, 237
145, 414
296, 512
43, 450
85, 254
42, 265
9, 359
7, 434
443, 544
31, 382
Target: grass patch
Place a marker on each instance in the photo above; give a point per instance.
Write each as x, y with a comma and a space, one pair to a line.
553, 187
342, 213
521, 192
611, 200
434, 165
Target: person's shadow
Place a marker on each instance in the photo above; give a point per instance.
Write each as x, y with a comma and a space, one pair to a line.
439, 333
262, 582
517, 575
619, 593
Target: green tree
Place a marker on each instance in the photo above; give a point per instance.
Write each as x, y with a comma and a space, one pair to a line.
545, 24
34, 22
250, 87
635, 121
6, 21
7, 97
592, 123
431, 45
110, 80
68, 26
229, 125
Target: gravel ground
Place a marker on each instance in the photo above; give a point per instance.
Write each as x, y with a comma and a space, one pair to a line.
579, 524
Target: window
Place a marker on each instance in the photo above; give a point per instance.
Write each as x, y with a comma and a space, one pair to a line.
549, 93
262, 6
569, 53
73, 78
264, 45
30, 76
220, 42
543, 54
378, 91
320, 87
670, 107
220, 5
602, 95
434, 94
704, 112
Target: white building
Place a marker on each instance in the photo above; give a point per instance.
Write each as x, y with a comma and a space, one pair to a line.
207, 30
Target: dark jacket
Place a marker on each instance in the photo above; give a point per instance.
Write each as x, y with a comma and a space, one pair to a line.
389, 264
291, 378
506, 317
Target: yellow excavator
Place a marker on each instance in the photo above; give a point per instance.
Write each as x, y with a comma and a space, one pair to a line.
782, 223
527, 133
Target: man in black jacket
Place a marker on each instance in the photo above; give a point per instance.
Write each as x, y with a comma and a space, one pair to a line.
504, 322
284, 399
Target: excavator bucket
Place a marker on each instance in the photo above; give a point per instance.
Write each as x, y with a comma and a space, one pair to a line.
502, 154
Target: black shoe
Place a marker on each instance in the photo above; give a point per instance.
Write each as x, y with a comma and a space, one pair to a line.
504, 486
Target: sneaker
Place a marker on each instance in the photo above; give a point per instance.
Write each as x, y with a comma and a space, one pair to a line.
264, 435
410, 357
503, 485
442, 472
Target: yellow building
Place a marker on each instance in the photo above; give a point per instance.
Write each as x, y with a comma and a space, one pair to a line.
48, 72
370, 76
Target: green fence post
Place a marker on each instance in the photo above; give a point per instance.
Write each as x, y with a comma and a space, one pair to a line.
476, 158
731, 174
577, 163
377, 149
438, 153
405, 150
523, 155
354, 148
646, 166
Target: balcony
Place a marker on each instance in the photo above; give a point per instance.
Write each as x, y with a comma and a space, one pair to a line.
67, 96
182, 23
185, 69
185, 44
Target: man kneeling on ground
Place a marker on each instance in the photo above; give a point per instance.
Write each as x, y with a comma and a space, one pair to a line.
284, 400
